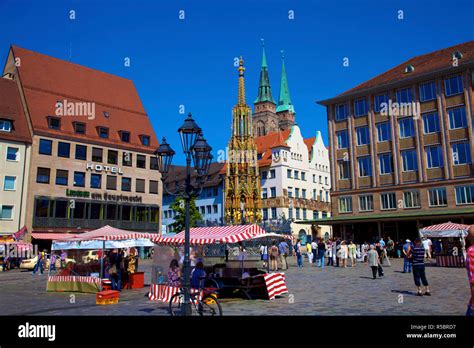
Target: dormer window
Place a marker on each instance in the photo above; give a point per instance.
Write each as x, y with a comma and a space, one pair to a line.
79, 127
145, 140
409, 69
5, 126
54, 122
457, 55
103, 132
125, 136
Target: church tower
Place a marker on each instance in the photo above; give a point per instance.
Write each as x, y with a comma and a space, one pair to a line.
265, 119
242, 183
285, 109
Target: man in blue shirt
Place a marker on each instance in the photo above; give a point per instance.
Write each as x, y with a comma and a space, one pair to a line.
283, 248
406, 253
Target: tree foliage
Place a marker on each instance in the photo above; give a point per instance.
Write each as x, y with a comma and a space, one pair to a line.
179, 220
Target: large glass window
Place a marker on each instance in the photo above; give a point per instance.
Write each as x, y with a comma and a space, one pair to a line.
111, 182
42, 175
360, 107
13, 154
465, 194
96, 211
79, 179
111, 212
411, 199
385, 163
112, 157
153, 186
265, 214
96, 181
97, 154
126, 212
272, 192
6, 212
81, 152
288, 173
434, 156
62, 177
409, 160
60, 209
379, 100
140, 185
141, 161
9, 183
363, 137
365, 166
274, 213
127, 159
404, 95
345, 204
64, 149
366, 203
153, 163
453, 85
406, 127
341, 112
461, 153
388, 201
344, 170
457, 118
430, 123
154, 214
437, 197
427, 91
42, 205
45, 147
383, 132
79, 211
126, 184
342, 140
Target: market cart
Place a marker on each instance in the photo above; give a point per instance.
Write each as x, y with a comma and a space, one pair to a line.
87, 273
454, 233
230, 274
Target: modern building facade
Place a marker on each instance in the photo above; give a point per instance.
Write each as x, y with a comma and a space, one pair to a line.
210, 202
15, 148
402, 145
92, 155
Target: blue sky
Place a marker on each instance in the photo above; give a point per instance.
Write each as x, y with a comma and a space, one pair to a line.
190, 62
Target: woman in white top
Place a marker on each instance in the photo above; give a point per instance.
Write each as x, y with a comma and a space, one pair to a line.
344, 253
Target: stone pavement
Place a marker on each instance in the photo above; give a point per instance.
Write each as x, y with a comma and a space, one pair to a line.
312, 291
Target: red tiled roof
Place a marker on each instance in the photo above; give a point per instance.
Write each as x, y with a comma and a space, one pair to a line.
11, 109
47, 80
423, 64
309, 144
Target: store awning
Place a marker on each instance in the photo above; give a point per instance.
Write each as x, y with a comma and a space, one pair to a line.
446, 230
51, 235
217, 234
108, 233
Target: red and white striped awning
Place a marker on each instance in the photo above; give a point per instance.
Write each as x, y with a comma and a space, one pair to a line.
109, 233
447, 229
210, 235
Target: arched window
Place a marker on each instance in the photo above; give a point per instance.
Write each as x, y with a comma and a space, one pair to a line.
260, 128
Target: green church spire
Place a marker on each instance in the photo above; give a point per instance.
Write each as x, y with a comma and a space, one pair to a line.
284, 102
264, 89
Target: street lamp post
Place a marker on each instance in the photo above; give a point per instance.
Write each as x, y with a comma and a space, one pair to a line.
198, 151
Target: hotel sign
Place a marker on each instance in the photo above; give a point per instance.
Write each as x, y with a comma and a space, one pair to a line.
100, 168
103, 196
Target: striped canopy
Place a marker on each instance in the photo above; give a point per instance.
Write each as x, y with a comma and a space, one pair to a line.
109, 233
446, 230
210, 235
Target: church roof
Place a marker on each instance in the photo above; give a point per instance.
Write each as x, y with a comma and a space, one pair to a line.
284, 102
264, 88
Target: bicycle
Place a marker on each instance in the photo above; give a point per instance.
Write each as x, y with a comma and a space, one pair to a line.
207, 305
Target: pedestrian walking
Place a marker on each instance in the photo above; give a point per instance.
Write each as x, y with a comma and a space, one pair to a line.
284, 251
364, 249
417, 254
406, 259
344, 253
52, 262
427, 244
373, 261
314, 247
274, 254
321, 252
390, 247
264, 255
329, 252
39, 264
338, 252
309, 252
380, 251
352, 253
470, 268
299, 258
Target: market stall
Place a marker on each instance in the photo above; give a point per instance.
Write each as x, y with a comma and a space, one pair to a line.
453, 236
230, 273
87, 270
13, 249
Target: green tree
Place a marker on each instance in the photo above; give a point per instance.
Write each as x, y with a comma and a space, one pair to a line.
179, 220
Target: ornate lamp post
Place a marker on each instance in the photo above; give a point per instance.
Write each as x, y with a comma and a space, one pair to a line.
198, 151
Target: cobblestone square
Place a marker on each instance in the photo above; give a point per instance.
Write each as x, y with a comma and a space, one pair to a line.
312, 291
